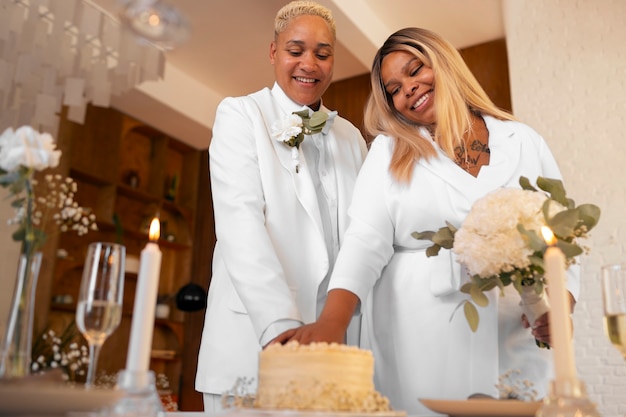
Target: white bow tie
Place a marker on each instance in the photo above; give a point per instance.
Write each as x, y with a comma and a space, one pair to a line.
329, 122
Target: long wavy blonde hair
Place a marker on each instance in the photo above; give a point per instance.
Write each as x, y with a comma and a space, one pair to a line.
458, 95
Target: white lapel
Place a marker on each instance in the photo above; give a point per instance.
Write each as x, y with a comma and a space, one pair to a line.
503, 165
274, 106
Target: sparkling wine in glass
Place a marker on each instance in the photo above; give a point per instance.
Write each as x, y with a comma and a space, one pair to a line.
99, 309
614, 296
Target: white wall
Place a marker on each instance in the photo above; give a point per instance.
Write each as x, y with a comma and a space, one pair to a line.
567, 63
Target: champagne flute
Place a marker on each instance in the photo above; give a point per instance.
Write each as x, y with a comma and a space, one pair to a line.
99, 309
614, 296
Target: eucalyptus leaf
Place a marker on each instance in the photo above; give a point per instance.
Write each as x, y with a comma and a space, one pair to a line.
589, 215
504, 280
489, 284
570, 250
555, 188
525, 184
564, 223
8, 179
296, 140
304, 114
537, 260
453, 229
465, 288
427, 235
433, 250
479, 297
318, 119
532, 238
19, 234
471, 315
444, 238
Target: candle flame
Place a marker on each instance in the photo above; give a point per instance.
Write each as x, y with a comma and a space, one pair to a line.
548, 236
155, 230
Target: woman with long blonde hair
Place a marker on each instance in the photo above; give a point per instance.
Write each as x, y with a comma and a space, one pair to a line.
440, 145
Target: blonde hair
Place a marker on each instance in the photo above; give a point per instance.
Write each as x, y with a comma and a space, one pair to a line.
302, 8
458, 95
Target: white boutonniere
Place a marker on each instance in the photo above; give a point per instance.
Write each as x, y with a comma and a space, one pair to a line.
292, 129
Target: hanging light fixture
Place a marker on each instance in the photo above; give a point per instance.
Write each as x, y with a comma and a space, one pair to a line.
56, 53
155, 21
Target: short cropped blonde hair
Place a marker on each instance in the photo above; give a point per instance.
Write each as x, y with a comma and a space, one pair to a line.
302, 8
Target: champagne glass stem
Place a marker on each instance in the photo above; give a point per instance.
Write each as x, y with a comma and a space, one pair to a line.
94, 354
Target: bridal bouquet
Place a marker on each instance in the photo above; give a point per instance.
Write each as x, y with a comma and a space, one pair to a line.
500, 242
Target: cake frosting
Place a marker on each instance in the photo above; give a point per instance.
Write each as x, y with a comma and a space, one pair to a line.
319, 376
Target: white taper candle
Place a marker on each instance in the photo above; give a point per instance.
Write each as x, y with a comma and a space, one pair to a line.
560, 326
140, 345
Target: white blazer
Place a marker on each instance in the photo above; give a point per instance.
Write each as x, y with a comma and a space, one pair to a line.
423, 347
270, 256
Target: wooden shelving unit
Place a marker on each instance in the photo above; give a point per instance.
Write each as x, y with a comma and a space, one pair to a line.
129, 172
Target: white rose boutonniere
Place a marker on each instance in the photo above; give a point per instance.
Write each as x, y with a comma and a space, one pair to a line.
292, 129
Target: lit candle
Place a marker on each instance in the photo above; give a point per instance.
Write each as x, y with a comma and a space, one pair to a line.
138, 358
560, 327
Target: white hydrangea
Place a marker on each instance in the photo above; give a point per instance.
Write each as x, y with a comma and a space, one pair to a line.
488, 243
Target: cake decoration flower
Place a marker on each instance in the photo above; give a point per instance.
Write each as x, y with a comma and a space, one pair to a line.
292, 129
500, 242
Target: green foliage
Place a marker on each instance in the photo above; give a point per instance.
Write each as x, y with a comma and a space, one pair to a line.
442, 238
567, 225
310, 125
471, 315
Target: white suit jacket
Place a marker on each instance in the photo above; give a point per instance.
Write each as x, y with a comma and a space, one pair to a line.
270, 256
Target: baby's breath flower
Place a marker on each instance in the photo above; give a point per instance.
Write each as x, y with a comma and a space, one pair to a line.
511, 387
62, 352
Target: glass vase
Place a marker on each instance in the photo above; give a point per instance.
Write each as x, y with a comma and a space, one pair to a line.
17, 343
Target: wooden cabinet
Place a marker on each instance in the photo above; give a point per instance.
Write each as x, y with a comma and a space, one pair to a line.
128, 173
